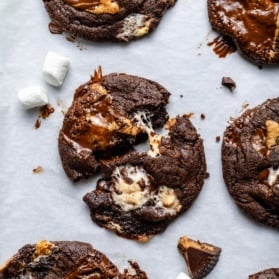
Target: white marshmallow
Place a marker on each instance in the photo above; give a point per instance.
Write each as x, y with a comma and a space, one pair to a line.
33, 96
182, 275
55, 68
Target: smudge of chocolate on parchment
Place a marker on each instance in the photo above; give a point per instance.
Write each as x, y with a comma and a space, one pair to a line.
222, 46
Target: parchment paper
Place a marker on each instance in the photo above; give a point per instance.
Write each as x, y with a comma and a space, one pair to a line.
49, 206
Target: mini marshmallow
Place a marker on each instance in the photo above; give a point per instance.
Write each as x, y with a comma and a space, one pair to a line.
33, 96
55, 68
182, 275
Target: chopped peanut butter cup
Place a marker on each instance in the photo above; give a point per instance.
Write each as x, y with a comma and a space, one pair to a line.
200, 258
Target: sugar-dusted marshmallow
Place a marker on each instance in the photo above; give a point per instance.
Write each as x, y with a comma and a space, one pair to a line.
33, 96
55, 68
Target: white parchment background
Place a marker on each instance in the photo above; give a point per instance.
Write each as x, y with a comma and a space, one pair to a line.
49, 206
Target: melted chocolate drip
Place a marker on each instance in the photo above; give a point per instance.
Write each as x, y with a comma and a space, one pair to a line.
222, 46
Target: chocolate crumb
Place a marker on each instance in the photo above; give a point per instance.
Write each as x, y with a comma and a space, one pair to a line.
45, 112
38, 170
207, 175
260, 67
181, 96
202, 116
218, 138
54, 29
229, 83
37, 124
71, 39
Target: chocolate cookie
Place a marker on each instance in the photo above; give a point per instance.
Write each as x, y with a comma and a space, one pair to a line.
141, 193
100, 124
106, 20
64, 259
253, 26
250, 156
272, 273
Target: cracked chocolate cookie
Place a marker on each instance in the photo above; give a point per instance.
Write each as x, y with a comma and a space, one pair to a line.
140, 194
253, 26
106, 20
271, 273
250, 157
100, 124
64, 259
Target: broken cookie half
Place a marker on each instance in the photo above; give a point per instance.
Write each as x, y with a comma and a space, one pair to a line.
200, 257
141, 193
65, 260
101, 124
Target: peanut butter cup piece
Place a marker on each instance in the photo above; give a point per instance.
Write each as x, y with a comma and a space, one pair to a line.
271, 273
140, 194
106, 20
200, 257
253, 26
100, 123
250, 157
64, 259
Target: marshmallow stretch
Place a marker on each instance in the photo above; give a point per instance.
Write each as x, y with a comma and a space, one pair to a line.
182, 275
33, 96
55, 68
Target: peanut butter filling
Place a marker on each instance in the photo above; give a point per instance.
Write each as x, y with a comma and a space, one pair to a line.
272, 129
95, 6
43, 248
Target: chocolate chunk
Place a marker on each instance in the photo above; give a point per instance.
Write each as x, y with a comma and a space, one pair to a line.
229, 83
64, 259
200, 258
108, 20
250, 157
252, 25
272, 273
140, 194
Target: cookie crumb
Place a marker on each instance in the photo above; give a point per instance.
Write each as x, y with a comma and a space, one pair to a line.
38, 170
189, 114
260, 67
45, 112
207, 175
181, 96
245, 106
202, 116
37, 124
229, 83
218, 138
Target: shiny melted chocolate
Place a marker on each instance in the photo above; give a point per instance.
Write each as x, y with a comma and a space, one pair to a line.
222, 46
95, 6
94, 124
254, 23
93, 267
